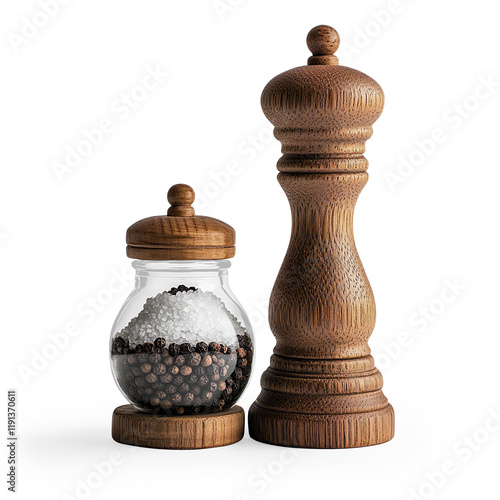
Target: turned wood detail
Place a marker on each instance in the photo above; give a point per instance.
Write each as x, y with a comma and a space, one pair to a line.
186, 432
322, 389
181, 234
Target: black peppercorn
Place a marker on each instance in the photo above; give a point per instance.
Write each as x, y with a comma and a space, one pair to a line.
155, 401
240, 352
212, 370
196, 390
206, 361
199, 370
213, 386
246, 342
223, 371
157, 385
176, 398
221, 362
186, 348
194, 359
221, 386
214, 346
173, 349
242, 362
180, 410
186, 370
178, 380
138, 348
184, 387
203, 380
224, 349
188, 398
215, 377
180, 360
165, 404
146, 367
159, 369
160, 342
151, 378
143, 358
206, 395
168, 360
148, 391
161, 394
192, 379
174, 369
197, 401
201, 347
148, 347
170, 389
182, 288
154, 358
139, 381
119, 346
166, 378
238, 374
131, 359
136, 371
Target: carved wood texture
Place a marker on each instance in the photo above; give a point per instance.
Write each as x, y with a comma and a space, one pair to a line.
322, 389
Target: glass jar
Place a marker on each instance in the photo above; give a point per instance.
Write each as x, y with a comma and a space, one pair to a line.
182, 343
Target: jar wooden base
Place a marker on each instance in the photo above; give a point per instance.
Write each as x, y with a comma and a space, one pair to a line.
190, 432
350, 430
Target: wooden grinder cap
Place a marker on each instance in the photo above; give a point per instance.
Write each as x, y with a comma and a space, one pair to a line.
180, 235
323, 112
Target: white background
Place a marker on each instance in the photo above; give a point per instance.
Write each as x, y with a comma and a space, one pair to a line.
434, 234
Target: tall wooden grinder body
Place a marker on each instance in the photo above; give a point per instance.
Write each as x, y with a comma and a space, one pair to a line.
322, 389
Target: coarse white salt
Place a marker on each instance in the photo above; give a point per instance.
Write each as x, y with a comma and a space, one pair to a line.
186, 317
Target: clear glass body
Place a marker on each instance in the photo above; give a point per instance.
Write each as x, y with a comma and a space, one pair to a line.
182, 343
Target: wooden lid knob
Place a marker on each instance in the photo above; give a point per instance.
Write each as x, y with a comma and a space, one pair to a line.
181, 197
323, 41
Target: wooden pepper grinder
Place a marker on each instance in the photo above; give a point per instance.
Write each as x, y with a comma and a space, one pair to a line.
322, 389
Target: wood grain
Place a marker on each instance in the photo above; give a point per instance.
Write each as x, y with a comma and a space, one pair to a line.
133, 427
322, 389
180, 235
